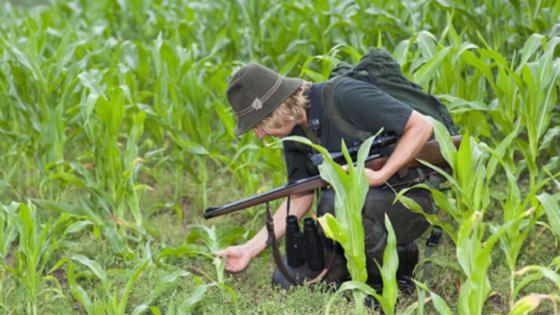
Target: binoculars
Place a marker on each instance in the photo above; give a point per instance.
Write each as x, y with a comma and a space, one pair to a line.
304, 246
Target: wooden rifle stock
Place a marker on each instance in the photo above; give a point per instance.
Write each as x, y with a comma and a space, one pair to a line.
430, 152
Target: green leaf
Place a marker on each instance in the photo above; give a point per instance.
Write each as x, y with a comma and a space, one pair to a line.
439, 303
78, 293
77, 226
448, 150
196, 296
389, 270
92, 265
409, 203
552, 210
331, 228
527, 304
464, 163
129, 285
545, 271
350, 286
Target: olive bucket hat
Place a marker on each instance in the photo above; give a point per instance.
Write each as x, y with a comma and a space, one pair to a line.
255, 91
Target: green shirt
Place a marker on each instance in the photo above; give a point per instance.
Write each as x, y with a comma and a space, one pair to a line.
362, 104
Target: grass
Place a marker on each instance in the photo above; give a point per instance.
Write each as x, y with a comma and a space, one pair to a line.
257, 296
253, 285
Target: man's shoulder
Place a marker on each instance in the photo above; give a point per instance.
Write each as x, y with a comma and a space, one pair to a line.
345, 83
349, 93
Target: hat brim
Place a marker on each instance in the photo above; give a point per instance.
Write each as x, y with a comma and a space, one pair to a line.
287, 88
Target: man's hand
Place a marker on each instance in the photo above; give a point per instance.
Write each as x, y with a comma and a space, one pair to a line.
375, 178
237, 257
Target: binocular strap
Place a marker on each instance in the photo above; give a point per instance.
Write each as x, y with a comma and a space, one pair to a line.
273, 242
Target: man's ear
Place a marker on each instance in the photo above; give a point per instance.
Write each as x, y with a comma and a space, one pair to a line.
299, 115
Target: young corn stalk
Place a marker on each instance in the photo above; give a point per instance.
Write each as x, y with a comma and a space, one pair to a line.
519, 111
388, 298
36, 247
8, 234
116, 169
202, 241
532, 301
470, 186
115, 301
350, 189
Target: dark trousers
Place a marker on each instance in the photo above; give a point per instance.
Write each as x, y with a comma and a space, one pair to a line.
338, 273
408, 226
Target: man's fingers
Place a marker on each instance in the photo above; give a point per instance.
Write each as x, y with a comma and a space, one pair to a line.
223, 252
232, 268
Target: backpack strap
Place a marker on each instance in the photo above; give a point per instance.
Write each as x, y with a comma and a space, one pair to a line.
311, 130
335, 116
311, 135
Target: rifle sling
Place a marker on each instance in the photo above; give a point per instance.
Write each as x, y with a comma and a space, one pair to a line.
274, 245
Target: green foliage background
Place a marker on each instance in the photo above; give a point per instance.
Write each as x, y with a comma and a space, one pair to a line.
113, 116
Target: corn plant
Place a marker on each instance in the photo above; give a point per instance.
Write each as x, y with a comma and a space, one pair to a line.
35, 248
107, 104
185, 306
116, 171
475, 258
116, 301
388, 298
350, 190
516, 115
531, 301
202, 241
95, 210
552, 210
8, 234
110, 302
439, 303
471, 189
8, 228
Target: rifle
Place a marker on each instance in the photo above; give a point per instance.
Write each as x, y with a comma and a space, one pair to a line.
430, 153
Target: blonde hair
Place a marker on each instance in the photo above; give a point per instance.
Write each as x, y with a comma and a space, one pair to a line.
291, 109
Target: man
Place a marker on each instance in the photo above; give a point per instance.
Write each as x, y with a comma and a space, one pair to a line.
277, 106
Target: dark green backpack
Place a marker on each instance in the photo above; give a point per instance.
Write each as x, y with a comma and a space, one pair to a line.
379, 68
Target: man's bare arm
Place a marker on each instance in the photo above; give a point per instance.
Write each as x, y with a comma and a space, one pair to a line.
239, 256
299, 205
417, 132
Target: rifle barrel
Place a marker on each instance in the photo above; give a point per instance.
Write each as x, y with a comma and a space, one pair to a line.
302, 185
430, 152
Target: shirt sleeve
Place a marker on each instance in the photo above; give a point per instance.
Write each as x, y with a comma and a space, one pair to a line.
296, 162
296, 157
369, 108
